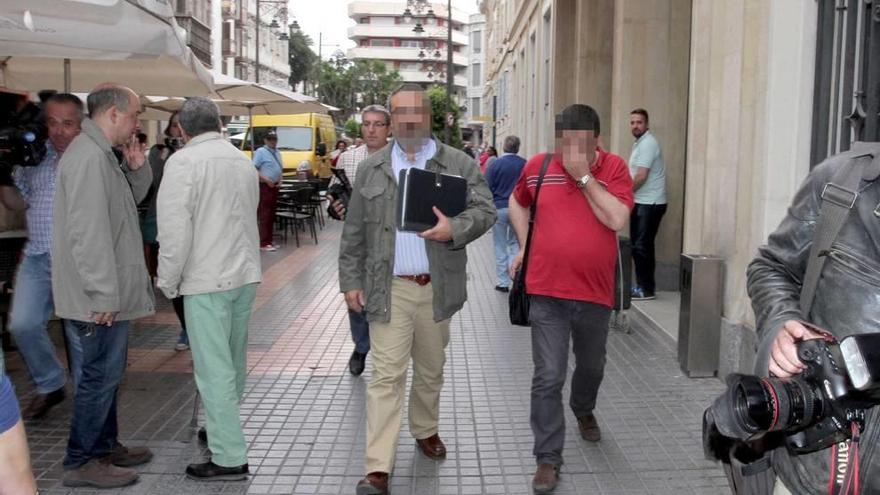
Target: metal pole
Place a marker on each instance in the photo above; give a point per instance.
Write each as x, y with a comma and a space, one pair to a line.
257, 70
494, 120
450, 73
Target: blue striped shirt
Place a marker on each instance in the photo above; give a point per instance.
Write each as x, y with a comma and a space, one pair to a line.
37, 186
410, 256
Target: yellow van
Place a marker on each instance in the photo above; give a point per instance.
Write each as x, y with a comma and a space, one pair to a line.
298, 138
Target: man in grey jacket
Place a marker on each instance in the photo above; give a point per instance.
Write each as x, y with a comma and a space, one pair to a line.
100, 280
409, 284
207, 218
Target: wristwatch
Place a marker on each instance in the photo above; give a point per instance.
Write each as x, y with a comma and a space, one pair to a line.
583, 181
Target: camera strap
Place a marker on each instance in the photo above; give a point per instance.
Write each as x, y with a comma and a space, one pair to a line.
844, 476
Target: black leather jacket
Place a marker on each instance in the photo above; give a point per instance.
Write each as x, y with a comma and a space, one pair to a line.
847, 298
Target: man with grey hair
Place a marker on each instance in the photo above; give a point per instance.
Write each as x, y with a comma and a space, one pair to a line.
409, 284
207, 220
375, 126
32, 189
100, 280
501, 175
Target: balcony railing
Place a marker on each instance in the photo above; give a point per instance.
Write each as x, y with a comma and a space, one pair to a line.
198, 37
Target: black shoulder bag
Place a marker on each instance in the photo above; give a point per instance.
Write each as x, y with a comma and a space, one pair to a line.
518, 299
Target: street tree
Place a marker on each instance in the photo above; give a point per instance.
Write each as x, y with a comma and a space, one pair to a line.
438, 97
352, 128
351, 85
302, 58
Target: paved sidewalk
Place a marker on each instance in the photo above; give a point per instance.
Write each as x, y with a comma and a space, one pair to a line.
304, 414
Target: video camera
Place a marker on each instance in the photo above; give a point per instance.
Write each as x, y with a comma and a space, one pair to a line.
23, 131
814, 409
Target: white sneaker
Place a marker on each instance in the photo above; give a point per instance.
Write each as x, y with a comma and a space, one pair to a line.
270, 248
180, 346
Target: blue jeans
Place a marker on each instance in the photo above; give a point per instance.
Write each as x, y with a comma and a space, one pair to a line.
360, 331
555, 323
506, 246
98, 355
32, 306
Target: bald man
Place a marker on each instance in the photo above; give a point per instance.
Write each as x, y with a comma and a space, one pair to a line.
100, 280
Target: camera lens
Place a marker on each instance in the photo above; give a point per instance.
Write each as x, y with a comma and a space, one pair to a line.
770, 404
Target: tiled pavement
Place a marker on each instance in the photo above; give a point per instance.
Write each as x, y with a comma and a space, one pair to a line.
304, 416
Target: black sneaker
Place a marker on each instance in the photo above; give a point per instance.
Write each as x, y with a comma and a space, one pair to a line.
502, 288
208, 471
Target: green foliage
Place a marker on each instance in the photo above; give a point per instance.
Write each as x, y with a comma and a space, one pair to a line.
302, 58
352, 128
437, 95
352, 85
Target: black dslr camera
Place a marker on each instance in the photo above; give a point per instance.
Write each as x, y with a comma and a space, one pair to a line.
339, 190
814, 409
23, 133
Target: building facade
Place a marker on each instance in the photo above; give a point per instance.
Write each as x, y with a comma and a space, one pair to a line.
744, 97
475, 116
237, 37
194, 16
382, 33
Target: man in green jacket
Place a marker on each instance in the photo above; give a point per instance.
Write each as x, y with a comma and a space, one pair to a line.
410, 284
100, 280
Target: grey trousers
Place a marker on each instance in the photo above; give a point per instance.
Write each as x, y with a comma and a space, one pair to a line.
555, 322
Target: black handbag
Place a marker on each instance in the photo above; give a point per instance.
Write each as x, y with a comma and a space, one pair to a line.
518, 299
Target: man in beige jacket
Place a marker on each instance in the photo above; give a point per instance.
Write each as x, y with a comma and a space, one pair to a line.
100, 280
207, 219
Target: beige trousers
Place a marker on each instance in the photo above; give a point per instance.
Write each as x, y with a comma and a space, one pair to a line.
411, 332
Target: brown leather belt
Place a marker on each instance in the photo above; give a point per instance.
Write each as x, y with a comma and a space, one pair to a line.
421, 279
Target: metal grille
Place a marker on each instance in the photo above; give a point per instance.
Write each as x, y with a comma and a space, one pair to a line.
846, 104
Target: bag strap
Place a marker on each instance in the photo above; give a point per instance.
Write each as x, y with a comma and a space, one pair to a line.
838, 197
533, 211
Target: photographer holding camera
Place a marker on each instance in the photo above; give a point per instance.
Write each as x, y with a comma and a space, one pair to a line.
33, 190
375, 127
822, 265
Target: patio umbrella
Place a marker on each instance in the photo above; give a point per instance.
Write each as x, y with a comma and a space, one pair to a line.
238, 97
75, 45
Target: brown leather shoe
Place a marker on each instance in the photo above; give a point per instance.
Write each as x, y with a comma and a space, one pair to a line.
375, 483
545, 478
589, 428
99, 473
432, 447
42, 403
123, 456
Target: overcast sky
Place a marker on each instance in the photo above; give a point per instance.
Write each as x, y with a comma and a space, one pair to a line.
330, 19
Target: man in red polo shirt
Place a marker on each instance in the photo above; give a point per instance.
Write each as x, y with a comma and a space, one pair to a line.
585, 198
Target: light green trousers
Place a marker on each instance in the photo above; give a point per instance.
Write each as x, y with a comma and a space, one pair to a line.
217, 324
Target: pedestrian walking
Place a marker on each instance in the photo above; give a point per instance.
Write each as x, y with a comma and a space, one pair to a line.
32, 189
649, 187
501, 176
100, 281
409, 284
584, 198
210, 255
375, 126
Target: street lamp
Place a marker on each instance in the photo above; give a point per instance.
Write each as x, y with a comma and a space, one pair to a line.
419, 6
280, 9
